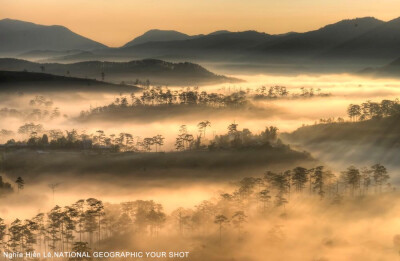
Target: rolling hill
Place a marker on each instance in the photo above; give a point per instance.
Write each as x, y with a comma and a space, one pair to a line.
11, 81
157, 71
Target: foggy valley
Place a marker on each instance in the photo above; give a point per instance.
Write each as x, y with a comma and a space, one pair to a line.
228, 145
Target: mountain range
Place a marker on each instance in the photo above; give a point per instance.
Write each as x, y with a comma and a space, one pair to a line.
361, 41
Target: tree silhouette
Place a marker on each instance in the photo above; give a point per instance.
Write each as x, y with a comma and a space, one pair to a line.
158, 141
320, 180
238, 219
202, 128
81, 247
20, 183
53, 187
232, 128
352, 177
380, 176
354, 111
95, 208
299, 178
265, 197
366, 179
221, 220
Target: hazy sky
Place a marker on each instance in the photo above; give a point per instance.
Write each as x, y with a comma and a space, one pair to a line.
114, 22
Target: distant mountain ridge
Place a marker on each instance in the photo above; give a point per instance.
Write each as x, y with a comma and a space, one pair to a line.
348, 44
382, 41
18, 36
322, 39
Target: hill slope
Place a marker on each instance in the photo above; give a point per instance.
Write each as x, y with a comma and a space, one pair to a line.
156, 71
313, 42
28, 81
390, 70
382, 42
371, 141
18, 36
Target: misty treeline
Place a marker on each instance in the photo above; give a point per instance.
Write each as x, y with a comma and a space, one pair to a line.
88, 224
159, 96
185, 141
72, 139
373, 110
81, 226
40, 108
233, 139
275, 92
162, 96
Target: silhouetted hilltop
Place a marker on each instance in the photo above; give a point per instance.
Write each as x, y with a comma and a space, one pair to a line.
156, 35
19, 36
156, 71
29, 81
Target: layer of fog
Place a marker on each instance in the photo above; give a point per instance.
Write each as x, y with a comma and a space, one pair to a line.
290, 114
286, 114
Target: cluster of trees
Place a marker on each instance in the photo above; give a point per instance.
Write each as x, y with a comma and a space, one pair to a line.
275, 92
87, 222
352, 181
158, 96
5, 187
82, 224
372, 110
329, 120
233, 139
273, 191
57, 139
42, 109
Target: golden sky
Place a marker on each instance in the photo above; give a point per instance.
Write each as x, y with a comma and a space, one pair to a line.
115, 22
